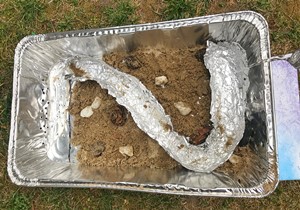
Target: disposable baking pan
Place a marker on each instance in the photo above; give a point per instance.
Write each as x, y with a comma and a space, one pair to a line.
40, 153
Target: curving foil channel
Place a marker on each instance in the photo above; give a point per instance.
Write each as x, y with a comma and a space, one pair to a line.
227, 64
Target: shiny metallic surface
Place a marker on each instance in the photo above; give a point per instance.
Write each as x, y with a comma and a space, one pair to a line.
229, 82
39, 150
295, 59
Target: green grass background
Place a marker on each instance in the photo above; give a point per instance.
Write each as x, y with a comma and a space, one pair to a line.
19, 18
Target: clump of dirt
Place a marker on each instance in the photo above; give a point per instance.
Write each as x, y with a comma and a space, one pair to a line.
77, 71
109, 128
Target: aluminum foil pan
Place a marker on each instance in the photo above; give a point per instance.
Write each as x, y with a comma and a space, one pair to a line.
40, 153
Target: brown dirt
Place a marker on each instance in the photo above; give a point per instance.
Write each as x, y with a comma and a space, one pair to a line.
188, 81
101, 135
77, 71
247, 162
98, 132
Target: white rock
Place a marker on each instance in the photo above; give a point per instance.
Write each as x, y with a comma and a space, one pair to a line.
183, 108
126, 150
86, 112
161, 81
96, 103
234, 159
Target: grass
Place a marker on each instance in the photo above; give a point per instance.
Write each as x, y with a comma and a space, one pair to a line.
19, 201
122, 13
19, 18
177, 9
34, 7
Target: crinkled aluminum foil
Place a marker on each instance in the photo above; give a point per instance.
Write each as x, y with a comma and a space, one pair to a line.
227, 63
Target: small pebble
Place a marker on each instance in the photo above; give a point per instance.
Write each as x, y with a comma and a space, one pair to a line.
119, 115
96, 103
234, 159
183, 108
126, 150
161, 81
200, 135
98, 149
86, 112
